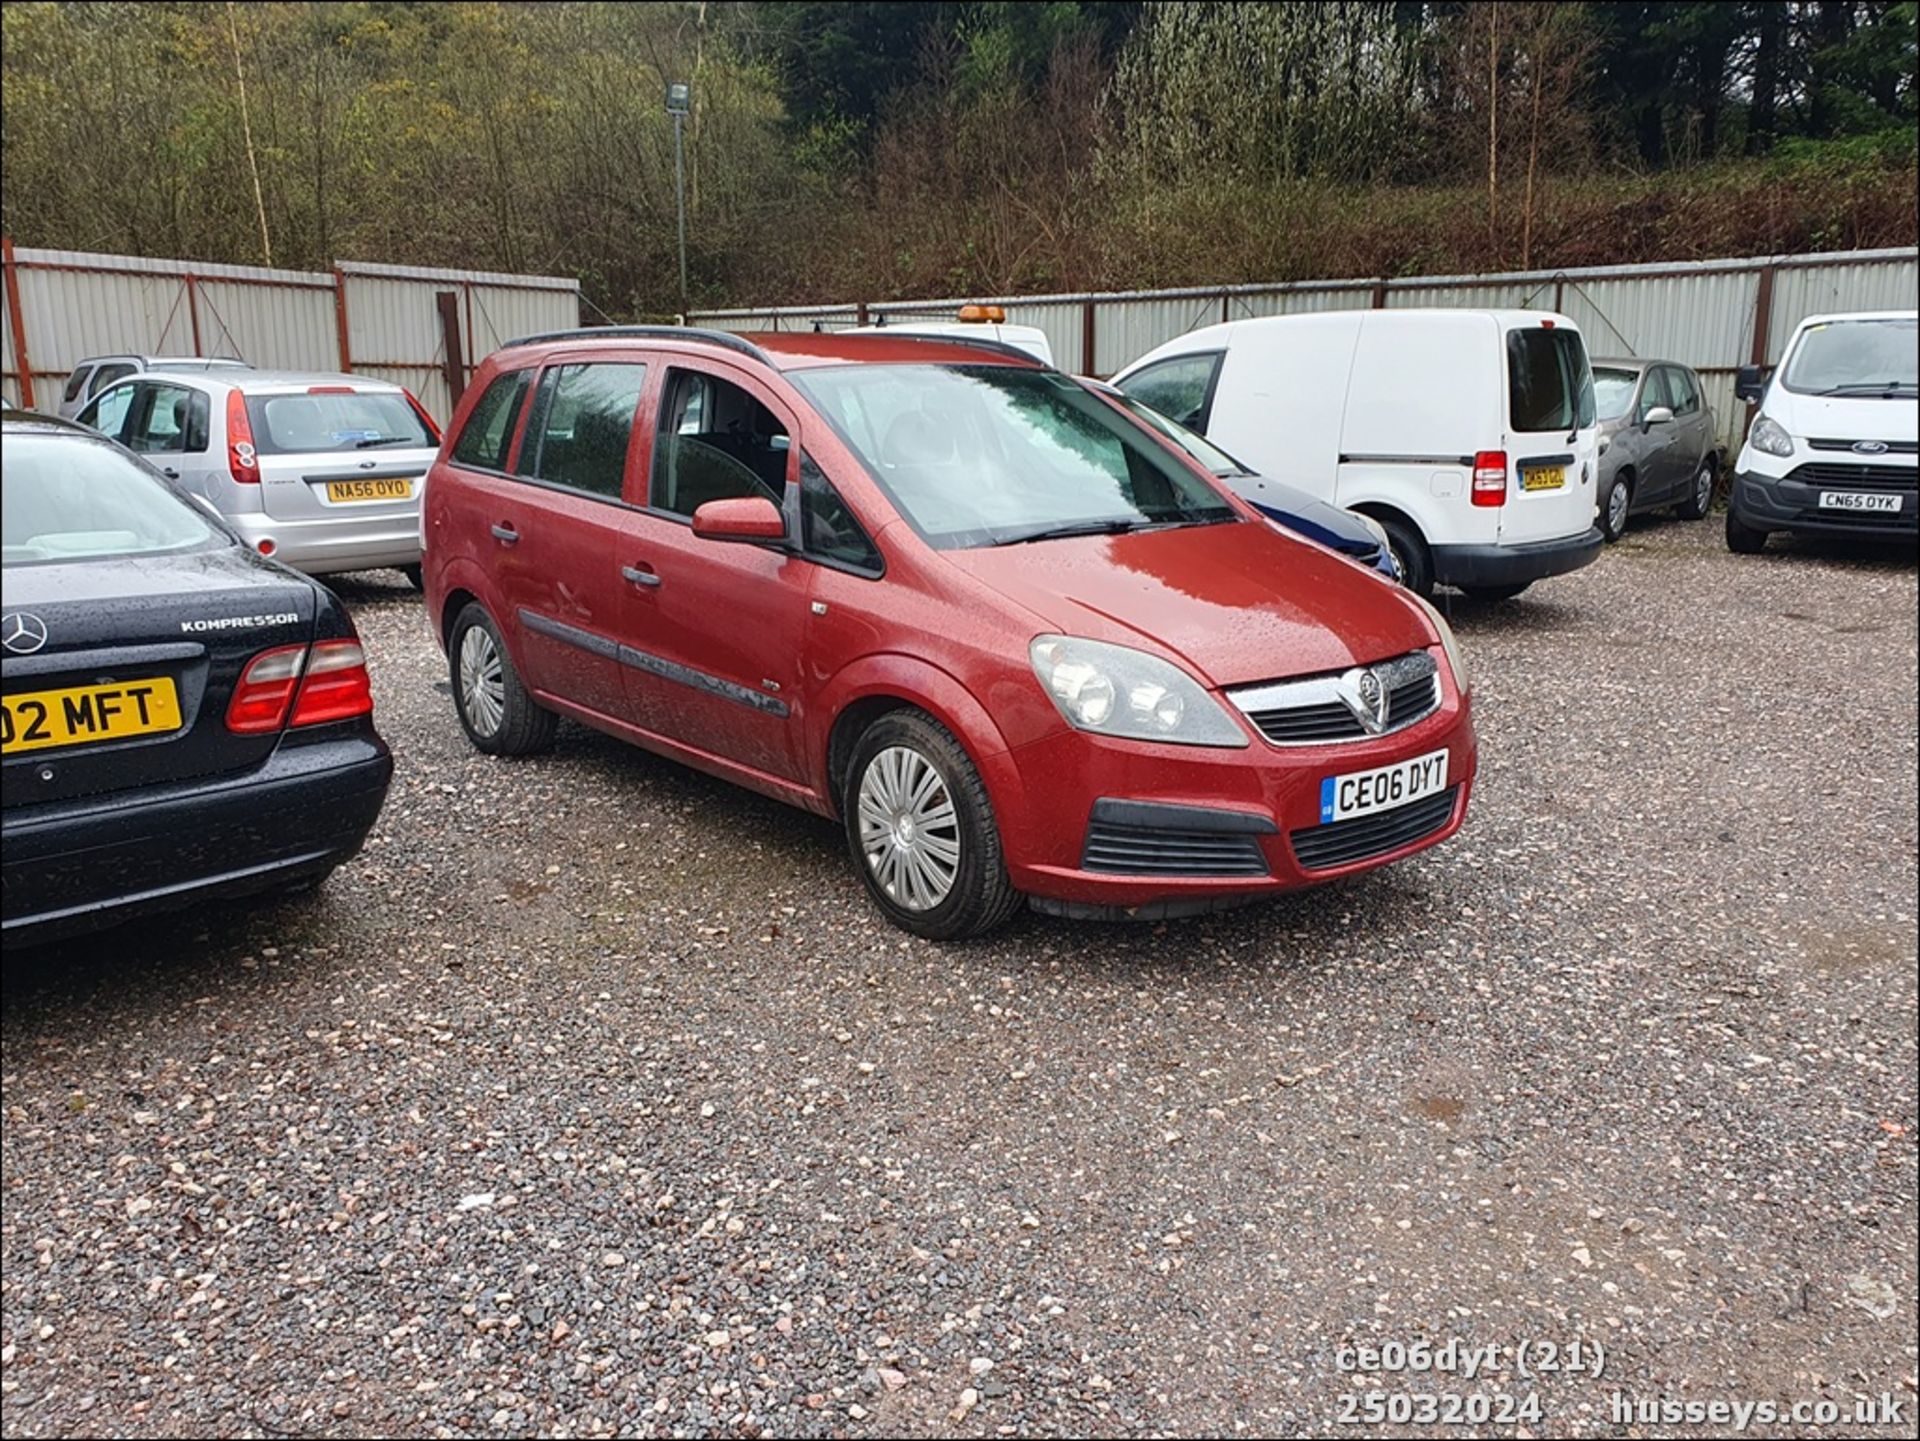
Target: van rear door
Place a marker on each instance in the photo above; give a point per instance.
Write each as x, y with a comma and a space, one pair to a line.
1550, 436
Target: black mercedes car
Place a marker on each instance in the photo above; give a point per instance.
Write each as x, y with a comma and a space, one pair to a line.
183, 719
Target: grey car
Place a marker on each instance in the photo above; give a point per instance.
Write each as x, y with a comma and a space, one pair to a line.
1658, 446
323, 472
97, 372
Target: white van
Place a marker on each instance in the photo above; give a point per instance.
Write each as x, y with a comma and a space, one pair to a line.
1468, 434
1832, 449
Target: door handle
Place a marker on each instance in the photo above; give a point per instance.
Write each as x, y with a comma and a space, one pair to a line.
506, 534
169, 472
638, 576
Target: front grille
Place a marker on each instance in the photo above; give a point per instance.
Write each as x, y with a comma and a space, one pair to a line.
1893, 447
1321, 848
1837, 476
1323, 708
1161, 851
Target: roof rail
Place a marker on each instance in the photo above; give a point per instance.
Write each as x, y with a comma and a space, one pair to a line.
980, 343
723, 338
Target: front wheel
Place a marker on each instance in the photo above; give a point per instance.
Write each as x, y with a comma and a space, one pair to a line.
1743, 539
922, 832
497, 713
1614, 508
1699, 497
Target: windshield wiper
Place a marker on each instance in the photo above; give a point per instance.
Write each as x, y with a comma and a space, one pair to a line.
1116, 526
386, 440
1877, 387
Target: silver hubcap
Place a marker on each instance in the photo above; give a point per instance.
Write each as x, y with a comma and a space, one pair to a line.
1617, 506
1703, 488
483, 688
909, 829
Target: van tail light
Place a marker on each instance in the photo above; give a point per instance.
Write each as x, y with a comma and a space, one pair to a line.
242, 459
301, 686
336, 685
1490, 478
425, 419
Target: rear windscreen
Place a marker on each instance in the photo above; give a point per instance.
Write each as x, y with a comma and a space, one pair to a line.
1549, 386
73, 498
301, 424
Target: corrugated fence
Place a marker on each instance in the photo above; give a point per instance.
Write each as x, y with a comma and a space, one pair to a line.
426, 329
1715, 315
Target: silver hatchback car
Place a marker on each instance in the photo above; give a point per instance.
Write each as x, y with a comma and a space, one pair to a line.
323, 472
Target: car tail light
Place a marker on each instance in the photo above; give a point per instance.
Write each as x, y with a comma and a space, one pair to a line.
425, 419
1490, 478
301, 686
265, 690
336, 685
242, 459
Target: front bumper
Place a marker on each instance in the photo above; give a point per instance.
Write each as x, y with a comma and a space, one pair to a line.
328, 544
1256, 798
1766, 502
82, 865
1498, 565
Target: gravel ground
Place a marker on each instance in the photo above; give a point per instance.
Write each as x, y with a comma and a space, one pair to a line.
594, 1096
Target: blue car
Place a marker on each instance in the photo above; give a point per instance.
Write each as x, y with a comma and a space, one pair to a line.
1351, 534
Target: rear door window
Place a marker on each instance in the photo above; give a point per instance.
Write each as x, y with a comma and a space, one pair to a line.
106, 375
1180, 389
1549, 386
488, 434
325, 419
578, 429
168, 418
715, 442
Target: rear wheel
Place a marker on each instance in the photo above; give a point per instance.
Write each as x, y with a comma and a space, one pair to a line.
1743, 539
1699, 497
1615, 506
1494, 592
497, 713
922, 832
1410, 553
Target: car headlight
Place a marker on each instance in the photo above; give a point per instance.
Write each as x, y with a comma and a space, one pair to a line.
1770, 437
1447, 644
1115, 691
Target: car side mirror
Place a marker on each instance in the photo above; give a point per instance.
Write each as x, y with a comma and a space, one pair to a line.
748, 518
1659, 415
1751, 383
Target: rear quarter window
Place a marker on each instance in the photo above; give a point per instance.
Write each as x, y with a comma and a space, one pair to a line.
488, 434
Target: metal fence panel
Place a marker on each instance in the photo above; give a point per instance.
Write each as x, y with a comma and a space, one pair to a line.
1803, 290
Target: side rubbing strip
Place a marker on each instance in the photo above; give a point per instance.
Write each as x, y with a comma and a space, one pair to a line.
652, 664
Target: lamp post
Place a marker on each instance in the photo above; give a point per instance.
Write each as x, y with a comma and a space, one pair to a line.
679, 102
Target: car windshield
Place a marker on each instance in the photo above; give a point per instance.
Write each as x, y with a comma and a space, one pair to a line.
1856, 357
74, 498
1198, 446
1612, 391
1549, 384
976, 455
334, 420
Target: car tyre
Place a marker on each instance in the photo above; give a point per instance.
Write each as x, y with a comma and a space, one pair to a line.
1615, 506
1410, 553
921, 830
1699, 498
412, 573
1743, 539
1493, 593
495, 710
